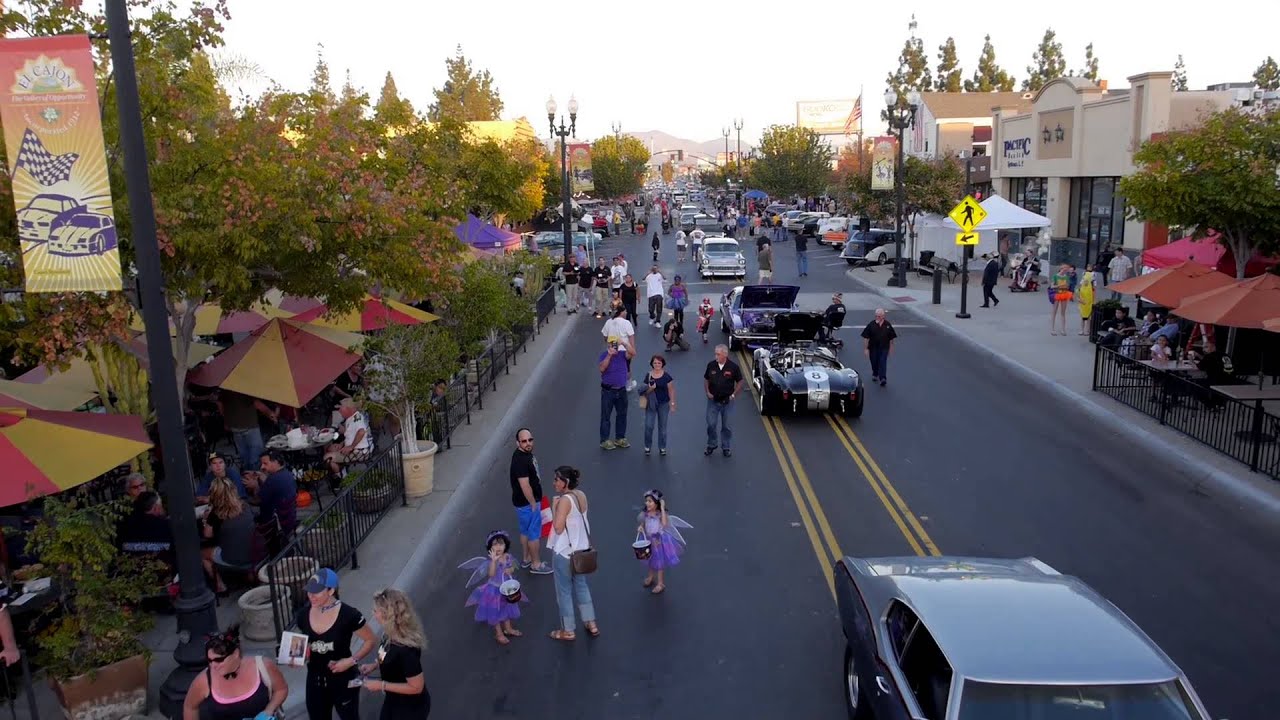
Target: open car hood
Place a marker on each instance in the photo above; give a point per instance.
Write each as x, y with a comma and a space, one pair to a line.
779, 297
797, 326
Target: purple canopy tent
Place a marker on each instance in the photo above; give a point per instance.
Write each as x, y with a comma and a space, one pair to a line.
489, 238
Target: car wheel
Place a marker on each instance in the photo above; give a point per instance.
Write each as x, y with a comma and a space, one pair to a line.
733, 343
851, 261
855, 410
883, 257
854, 698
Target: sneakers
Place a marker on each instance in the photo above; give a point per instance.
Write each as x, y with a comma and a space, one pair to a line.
540, 569
646, 451
621, 443
525, 565
663, 451
708, 451
607, 445
727, 452
631, 384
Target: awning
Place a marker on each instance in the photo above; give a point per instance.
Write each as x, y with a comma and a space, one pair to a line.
1206, 251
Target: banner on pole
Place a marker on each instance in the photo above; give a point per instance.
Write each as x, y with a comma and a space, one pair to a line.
57, 164
882, 162
580, 165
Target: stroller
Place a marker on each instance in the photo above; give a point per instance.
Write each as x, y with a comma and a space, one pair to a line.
1026, 275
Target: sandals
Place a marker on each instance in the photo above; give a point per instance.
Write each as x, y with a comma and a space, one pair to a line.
657, 589
592, 628
563, 635
648, 582
513, 633
502, 639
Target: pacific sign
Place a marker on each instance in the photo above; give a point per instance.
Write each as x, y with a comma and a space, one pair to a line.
1017, 151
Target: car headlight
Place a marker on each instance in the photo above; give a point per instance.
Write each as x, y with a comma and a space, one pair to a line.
742, 262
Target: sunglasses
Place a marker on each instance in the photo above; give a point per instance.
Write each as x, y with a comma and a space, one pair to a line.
219, 658
525, 440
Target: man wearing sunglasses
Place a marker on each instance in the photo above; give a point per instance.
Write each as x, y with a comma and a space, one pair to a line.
526, 496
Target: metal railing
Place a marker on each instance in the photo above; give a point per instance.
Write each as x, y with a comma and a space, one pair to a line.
333, 535
1243, 431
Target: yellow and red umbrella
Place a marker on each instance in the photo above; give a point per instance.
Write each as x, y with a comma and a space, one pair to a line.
373, 313
212, 320
46, 451
284, 361
42, 397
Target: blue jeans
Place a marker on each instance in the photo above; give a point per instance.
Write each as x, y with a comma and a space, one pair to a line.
719, 412
656, 413
802, 262
613, 401
879, 362
571, 587
249, 446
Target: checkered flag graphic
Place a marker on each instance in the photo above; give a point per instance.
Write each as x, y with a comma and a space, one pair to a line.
43, 165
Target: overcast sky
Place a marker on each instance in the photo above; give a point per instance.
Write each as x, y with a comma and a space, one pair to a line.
672, 66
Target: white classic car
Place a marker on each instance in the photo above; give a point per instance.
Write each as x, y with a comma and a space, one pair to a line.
721, 257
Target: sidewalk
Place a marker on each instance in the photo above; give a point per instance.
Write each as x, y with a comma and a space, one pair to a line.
1017, 334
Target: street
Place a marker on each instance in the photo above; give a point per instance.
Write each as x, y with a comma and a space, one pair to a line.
951, 458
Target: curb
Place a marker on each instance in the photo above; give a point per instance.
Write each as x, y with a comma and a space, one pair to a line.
1203, 474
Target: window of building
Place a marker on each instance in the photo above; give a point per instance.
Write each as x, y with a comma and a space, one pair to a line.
1030, 194
1097, 212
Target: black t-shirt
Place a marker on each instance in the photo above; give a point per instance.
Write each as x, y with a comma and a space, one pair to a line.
524, 464
584, 277
332, 644
602, 275
1120, 324
761, 242
879, 336
629, 294
398, 663
802, 243
571, 273
722, 381
835, 315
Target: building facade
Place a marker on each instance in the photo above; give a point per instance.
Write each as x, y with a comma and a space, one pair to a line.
957, 124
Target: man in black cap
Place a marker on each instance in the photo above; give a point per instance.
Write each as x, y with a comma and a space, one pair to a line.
990, 276
833, 316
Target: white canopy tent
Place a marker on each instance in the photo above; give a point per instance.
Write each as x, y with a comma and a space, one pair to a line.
1004, 215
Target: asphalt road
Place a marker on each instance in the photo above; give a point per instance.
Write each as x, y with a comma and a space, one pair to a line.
968, 461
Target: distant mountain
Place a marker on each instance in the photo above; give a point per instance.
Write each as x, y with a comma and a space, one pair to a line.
660, 141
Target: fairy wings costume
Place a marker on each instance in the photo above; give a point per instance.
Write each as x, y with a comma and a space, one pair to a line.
667, 542
491, 606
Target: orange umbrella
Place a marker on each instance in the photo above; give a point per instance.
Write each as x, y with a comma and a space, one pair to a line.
1169, 286
373, 313
1244, 304
46, 451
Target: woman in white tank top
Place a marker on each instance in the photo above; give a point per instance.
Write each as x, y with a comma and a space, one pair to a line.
569, 532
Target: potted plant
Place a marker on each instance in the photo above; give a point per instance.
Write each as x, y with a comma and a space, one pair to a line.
329, 539
97, 666
373, 489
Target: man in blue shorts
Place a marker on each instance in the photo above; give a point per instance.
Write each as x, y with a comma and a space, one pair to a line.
526, 496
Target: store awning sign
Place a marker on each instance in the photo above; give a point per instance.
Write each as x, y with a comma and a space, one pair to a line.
57, 164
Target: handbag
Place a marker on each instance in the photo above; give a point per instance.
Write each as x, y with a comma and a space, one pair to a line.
583, 562
644, 401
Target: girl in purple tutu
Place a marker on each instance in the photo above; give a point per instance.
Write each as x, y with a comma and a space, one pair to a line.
662, 531
491, 572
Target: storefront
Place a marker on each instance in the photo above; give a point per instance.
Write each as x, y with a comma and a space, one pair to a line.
1064, 158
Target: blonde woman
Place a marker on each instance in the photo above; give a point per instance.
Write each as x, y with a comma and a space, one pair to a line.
227, 531
400, 659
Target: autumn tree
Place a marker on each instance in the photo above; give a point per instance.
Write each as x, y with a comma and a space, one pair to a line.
1179, 80
618, 165
321, 90
1089, 70
1047, 63
913, 66
466, 95
1267, 76
391, 109
989, 76
930, 186
948, 68
792, 161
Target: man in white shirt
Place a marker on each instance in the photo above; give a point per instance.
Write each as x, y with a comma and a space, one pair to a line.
654, 290
357, 441
619, 329
680, 246
696, 236
1121, 268
617, 274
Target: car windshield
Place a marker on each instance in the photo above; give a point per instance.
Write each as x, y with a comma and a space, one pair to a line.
44, 203
85, 221
1152, 701
717, 248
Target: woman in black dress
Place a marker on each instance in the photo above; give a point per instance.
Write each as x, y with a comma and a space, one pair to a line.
400, 658
333, 680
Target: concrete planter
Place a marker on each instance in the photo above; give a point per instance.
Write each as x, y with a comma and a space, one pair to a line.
116, 691
256, 621
292, 572
420, 470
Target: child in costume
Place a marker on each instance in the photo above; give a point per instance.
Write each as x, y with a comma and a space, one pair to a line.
705, 311
661, 530
496, 568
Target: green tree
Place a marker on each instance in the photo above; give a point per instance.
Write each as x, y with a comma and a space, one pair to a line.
1179, 81
403, 363
1090, 69
930, 186
391, 109
948, 68
989, 76
1267, 76
792, 161
321, 91
618, 165
1047, 63
467, 95
913, 66
483, 304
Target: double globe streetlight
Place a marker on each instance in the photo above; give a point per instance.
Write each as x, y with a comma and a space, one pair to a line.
562, 132
900, 112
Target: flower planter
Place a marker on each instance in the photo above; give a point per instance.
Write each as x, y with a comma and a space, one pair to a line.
420, 470
372, 500
256, 620
292, 572
116, 691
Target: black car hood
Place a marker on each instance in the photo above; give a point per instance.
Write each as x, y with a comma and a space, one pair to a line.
797, 326
769, 297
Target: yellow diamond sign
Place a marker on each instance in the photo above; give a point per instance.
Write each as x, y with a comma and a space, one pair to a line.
968, 214
966, 238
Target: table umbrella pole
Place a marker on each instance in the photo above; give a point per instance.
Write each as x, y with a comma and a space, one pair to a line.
195, 603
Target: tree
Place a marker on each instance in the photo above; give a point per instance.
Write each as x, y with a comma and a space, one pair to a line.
930, 186
1179, 80
792, 161
1267, 76
618, 166
1047, 63
1090, 69
392, 110
467, 95
989, 77
668, 172
913, 66
402, 364
321, 91
948, 68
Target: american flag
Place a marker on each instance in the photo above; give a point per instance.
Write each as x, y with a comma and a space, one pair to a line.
43, 165
855, 117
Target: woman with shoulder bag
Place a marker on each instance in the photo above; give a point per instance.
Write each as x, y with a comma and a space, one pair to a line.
573, 558
232, 686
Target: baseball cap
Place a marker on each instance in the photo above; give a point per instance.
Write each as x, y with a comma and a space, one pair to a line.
324, 579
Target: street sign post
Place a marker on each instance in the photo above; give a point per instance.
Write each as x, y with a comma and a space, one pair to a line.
968, 214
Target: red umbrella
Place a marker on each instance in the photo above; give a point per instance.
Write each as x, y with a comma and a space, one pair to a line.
47, 451
373, 313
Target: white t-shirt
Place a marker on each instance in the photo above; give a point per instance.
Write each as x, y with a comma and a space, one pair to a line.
653, 284
619, 327
352, 427
697, 236
680, 236
618, 273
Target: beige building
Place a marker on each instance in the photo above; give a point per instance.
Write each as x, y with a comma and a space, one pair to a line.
958, 124
1063, 156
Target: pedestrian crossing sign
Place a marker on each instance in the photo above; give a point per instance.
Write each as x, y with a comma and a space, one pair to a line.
968, 214
966, 238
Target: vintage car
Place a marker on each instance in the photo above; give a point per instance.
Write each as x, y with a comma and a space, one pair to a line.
721, 257
82, 233
867, 246
975, 638
43, 213
747, 312
799, 373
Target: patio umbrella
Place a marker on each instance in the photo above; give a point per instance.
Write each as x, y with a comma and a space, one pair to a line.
79, 375
295, 304
284, 361
1242, 304
42, 397
1170, 286
46, 451
1273, 324
212, 320
373, 313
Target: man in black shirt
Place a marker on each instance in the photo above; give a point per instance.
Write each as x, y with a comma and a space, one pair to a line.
833, 316
571, 270
879, 335
602, 275
802, 255
673, 333
722, 381
526, 496
1115, 330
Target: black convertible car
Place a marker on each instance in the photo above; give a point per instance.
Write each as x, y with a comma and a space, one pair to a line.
800, 373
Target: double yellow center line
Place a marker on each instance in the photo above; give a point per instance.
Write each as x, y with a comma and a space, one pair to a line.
812, 516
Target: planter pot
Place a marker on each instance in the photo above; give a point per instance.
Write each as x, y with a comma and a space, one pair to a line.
292, 572
373, 500
420, 470
329, 546
256, 621
115, 691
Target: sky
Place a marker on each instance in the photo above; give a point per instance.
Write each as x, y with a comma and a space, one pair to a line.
690, 67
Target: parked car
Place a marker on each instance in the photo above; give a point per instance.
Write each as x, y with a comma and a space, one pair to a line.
790, 218
747, 313
834, 231
690, 221
974, 638
721, 257
864, 246
799, 373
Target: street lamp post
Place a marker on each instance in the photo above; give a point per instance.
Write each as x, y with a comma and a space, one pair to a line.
562, 132
737, 126
725, 167
617, 135
901, 113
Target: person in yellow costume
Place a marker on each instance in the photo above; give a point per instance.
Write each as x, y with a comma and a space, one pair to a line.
1084, 296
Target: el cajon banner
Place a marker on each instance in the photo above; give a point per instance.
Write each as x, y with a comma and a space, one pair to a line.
580, 166
882, 161
57, 164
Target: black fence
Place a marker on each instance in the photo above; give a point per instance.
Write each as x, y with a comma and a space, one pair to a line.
332, 536
480, 375
1244, 431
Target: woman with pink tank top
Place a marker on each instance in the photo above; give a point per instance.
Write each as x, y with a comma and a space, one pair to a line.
234, 687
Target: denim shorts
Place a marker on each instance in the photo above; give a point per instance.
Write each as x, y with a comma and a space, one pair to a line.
530, 517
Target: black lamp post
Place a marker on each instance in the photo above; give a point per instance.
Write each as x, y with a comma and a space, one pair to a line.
737, 126
562, 132
901, 114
